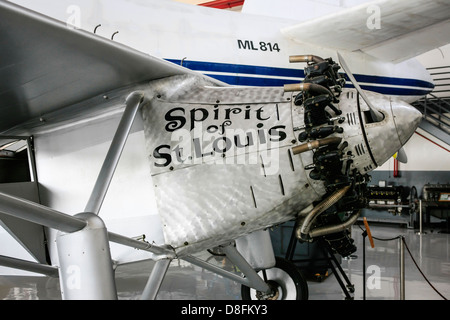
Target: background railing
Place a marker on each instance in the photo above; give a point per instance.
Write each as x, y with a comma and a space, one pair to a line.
435, 107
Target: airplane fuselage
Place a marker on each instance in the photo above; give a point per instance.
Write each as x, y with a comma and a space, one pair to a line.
224, 160
221, 158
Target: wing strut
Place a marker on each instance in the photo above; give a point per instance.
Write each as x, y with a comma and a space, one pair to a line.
29, 266
115, 150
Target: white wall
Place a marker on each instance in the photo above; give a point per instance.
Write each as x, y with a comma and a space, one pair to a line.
423, 154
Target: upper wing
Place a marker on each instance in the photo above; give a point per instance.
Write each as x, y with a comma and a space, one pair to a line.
389, 30
45, 65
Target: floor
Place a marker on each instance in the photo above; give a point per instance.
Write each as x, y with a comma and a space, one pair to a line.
430, 250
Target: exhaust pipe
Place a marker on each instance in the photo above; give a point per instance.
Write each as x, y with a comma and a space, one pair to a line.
315, 144
303, 231
336, 228
315, 89
305, 58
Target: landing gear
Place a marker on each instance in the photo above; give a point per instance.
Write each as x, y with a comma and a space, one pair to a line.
285, 280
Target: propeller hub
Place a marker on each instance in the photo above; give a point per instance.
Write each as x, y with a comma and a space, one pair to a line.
387, 137
406, 119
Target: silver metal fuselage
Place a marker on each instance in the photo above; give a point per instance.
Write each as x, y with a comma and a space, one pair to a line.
222, 162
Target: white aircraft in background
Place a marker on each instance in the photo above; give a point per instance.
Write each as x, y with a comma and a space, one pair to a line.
226, 137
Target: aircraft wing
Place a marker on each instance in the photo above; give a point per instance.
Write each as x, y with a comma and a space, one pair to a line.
386, 29
46, 65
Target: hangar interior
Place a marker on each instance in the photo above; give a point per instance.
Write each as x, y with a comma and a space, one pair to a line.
408, 215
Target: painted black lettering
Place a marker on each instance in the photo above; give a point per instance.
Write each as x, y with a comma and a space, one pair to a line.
262, 136
226, 145
232, 110
175, 122
258, 114
198, 149
194, 116
276, 134
179, 154
247, 113
216, 112
237, 140
275, 47
262, 46
246, 44
162, 155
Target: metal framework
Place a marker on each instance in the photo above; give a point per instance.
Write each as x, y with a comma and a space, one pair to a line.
86, 269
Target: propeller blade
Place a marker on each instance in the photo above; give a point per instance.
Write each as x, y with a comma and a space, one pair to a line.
376, 115
401, 156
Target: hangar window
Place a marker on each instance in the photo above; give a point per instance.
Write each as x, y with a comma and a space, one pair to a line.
16, 159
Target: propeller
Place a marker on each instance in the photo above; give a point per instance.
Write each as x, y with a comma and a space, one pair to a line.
376, 115
401, 156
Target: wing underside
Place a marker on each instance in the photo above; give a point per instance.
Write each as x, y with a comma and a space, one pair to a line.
388, 30
46, 65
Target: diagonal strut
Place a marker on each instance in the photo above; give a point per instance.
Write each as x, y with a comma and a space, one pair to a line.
115, 150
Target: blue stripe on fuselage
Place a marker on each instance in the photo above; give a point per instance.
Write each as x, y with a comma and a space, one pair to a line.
236, 75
